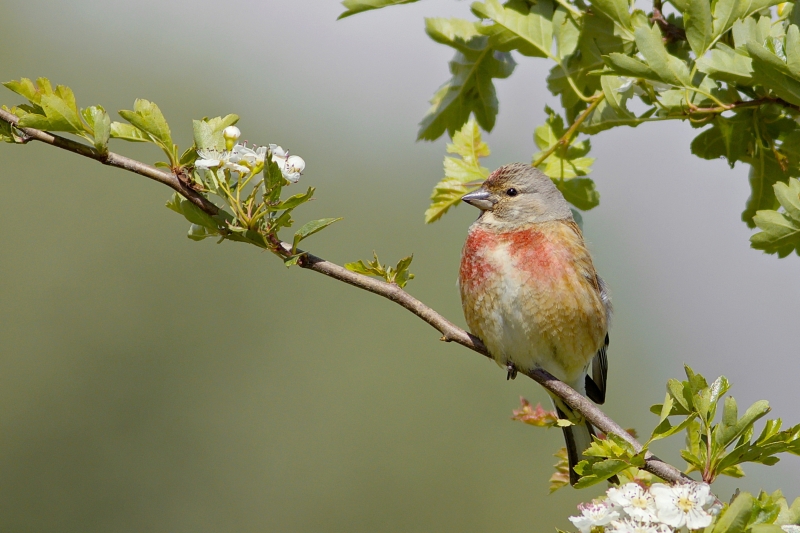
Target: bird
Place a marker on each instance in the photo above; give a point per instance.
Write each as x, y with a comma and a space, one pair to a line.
530, 292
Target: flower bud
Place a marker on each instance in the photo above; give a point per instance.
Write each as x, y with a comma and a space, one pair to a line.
231, 134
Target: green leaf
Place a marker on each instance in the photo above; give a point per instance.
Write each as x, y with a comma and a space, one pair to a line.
147, 117
771, 71
580, 192
26, 88
294, 201
616, 10
273, 181
52, 110
358, 6
734, 519
402, 276
565, 162
665, 428
780, 231
727, 12
198, 232
460, 175
100, 124
601, 471
625, 65
471, 89
667, 67
532, 23
126, 132
765, 171
208, 131
293, 260
566, 31
726, 64
310, 228
613, 110
191, 212
698, 23
398, 275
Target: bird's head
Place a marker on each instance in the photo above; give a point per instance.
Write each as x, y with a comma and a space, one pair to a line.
517, 194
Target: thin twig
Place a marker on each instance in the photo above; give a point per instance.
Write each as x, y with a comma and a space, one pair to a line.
450, 332
567, 137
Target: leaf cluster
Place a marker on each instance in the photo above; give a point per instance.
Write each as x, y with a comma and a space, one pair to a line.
253, 209
399, 275
731, 67
767, 513
462, 174
719, 447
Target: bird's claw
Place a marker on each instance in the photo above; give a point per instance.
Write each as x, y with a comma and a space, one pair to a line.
512, 371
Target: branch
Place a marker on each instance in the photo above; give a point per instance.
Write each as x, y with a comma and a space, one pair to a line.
450, 332
672, 32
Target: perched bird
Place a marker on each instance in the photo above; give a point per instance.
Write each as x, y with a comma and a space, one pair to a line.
530, 292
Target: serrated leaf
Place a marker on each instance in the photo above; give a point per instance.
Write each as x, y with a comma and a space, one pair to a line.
208, 131
616, 10
100, 124
566, 31
601, 471
780, 234
471, 89
147, 117
25, 88
292, 261
293, 201
52, 110
460, 175
625, 65
727, 12
734, 519
358, 6
532, 23
726, 64
401, 274
771, 71
765, 171
667, 67
127, 132
580, 192
310, 228
699, 25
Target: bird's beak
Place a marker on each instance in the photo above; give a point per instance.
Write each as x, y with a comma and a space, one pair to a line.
482, 199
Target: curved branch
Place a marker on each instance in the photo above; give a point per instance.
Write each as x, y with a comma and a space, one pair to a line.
450, 332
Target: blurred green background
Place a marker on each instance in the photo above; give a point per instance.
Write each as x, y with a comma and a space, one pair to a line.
151, 383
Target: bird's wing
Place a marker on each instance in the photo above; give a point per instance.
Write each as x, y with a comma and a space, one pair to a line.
596, 383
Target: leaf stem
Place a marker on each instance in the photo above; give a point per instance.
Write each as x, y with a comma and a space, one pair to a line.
567, 137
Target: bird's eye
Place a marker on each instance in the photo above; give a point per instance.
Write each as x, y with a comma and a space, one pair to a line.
512, 192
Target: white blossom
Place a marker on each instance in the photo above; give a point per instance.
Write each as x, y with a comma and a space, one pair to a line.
210, 158
291, 165
791, 528
635, 501
683, 505
252, 157
593, 514
629, 525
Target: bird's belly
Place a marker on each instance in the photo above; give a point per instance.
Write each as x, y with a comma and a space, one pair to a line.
548, 316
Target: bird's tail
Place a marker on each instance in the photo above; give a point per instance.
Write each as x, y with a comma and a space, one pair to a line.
578, 437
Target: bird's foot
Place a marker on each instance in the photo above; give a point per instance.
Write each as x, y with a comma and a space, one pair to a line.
512, 371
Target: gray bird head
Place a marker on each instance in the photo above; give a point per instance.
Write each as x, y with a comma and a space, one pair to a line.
517, 194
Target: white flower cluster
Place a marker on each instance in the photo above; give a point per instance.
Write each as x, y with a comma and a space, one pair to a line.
244, 159
632, 508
